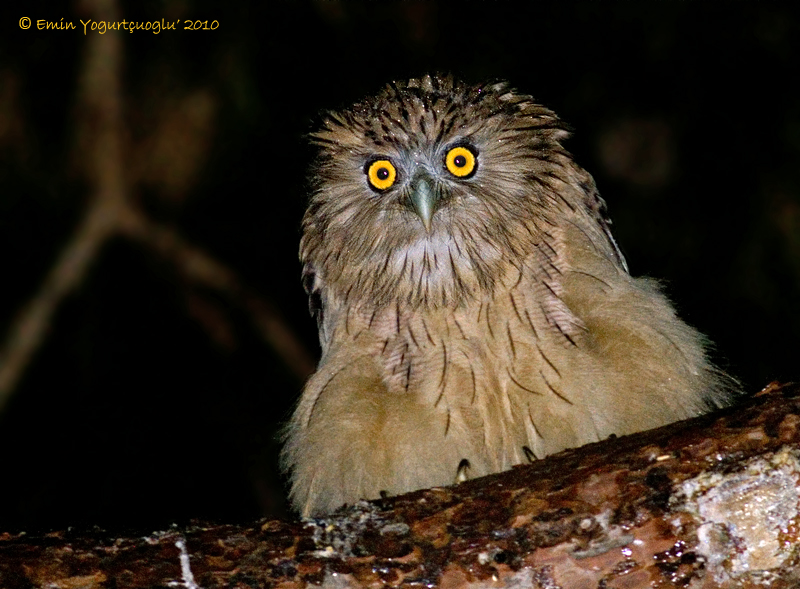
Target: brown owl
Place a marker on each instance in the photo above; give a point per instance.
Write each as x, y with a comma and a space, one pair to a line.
474, 310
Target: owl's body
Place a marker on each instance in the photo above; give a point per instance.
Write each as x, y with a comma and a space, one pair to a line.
472, 304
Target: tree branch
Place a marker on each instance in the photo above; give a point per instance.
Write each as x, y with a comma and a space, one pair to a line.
198, 267
99, 130
711, 502
100, 118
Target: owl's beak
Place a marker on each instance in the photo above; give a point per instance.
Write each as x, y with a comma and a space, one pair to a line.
424, 198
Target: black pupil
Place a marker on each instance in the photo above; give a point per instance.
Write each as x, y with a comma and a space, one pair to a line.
382, 173
460, 161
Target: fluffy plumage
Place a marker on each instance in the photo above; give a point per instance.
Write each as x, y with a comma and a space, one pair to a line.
477, 317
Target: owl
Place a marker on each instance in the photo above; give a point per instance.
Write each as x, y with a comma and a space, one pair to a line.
474, 310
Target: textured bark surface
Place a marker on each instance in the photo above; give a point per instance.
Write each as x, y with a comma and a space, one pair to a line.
708, 502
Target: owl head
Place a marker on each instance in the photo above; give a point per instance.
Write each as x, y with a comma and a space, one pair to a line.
429, 192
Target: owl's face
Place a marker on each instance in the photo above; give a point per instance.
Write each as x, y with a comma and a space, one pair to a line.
423, 180
423, 192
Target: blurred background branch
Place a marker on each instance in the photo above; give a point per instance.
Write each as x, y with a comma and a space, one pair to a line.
101, 116
100, 129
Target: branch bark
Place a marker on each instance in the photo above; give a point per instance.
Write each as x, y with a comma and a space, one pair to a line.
711, 502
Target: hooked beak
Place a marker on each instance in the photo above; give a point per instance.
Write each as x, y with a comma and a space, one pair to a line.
424, 198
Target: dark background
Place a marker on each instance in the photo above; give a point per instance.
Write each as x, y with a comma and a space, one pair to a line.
153, 402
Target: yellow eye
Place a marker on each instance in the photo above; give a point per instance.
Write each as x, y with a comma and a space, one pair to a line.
461, 162
381, 174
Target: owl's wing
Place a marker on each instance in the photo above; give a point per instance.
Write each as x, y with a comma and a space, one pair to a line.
599, 211
313, 287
